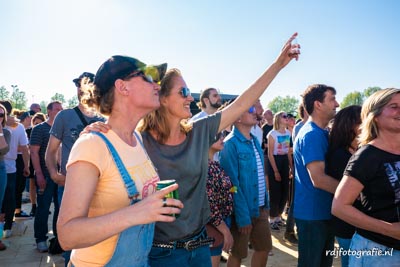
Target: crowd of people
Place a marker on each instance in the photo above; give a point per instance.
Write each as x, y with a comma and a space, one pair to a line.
235, 169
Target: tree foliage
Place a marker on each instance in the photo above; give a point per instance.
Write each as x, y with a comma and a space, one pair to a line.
288, 104
4, 93
43, 106
72, 102
358, 98
18, 98
370, 90
58, 97
354, 98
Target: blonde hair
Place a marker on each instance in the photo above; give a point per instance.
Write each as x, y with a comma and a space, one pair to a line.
371, 109
157, 120
276, 121
91, 97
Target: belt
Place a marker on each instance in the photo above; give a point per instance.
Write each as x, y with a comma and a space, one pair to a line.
188, 245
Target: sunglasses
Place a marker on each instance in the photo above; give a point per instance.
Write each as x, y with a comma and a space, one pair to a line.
185, 92
2, 115
252, 109
148, 78
284, 116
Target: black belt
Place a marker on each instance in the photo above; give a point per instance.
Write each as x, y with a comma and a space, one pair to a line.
188, 245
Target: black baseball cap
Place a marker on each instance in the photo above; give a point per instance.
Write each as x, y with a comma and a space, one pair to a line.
119, 67
77, 81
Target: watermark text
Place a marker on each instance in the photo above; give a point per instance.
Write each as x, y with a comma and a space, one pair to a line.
338, 252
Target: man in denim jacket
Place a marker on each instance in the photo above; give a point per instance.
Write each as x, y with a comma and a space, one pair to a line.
242, 159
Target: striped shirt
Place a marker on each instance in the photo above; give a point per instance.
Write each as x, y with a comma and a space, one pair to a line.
261, 177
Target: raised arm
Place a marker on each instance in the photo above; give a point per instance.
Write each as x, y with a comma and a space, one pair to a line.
250, 95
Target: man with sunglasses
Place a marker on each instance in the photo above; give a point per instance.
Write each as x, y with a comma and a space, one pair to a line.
243, 161
65, 131
210, 101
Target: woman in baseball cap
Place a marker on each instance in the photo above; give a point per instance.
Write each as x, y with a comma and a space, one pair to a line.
110, 203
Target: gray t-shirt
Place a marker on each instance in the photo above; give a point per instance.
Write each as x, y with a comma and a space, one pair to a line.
66, 127
187, 163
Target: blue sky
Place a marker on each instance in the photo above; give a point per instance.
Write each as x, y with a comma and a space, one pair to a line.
350, 45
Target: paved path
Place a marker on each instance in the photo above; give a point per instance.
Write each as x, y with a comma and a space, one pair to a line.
21, 251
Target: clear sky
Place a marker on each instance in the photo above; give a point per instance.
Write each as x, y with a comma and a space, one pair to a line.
227, 44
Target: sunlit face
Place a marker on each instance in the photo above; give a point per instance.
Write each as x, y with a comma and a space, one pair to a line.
26, 122
143, 93
249, 117
259, 110
214, 99
176, 103
36, 121
56, 107
389, 119
268, 115
329, 104
283, 119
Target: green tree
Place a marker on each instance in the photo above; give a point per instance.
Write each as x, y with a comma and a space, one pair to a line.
370, 90
288, 104
73, 102
43, 106
354, 98
58, 97
4, 93
18, 98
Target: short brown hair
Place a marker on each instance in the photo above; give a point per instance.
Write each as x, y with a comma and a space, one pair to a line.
315, 92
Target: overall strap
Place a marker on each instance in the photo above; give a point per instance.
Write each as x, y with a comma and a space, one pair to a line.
128, 181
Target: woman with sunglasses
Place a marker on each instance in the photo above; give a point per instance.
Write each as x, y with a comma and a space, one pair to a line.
109, 204
179, 150
5, 137
279, 162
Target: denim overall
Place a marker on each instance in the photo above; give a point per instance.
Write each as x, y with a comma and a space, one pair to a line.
134, 243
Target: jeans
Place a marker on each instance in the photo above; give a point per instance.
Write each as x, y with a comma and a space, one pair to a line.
165, 257
345, 244
42, 211
3, 182
9, 201
162, 257
315, 240
360, 244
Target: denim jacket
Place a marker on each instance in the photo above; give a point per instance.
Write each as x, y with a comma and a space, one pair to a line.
239, 162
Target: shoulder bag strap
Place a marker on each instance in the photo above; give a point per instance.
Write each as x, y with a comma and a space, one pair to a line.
80, 115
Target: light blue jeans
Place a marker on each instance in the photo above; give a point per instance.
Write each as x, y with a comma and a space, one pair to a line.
366, 253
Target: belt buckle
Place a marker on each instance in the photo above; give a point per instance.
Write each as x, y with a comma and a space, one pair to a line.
188, 244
